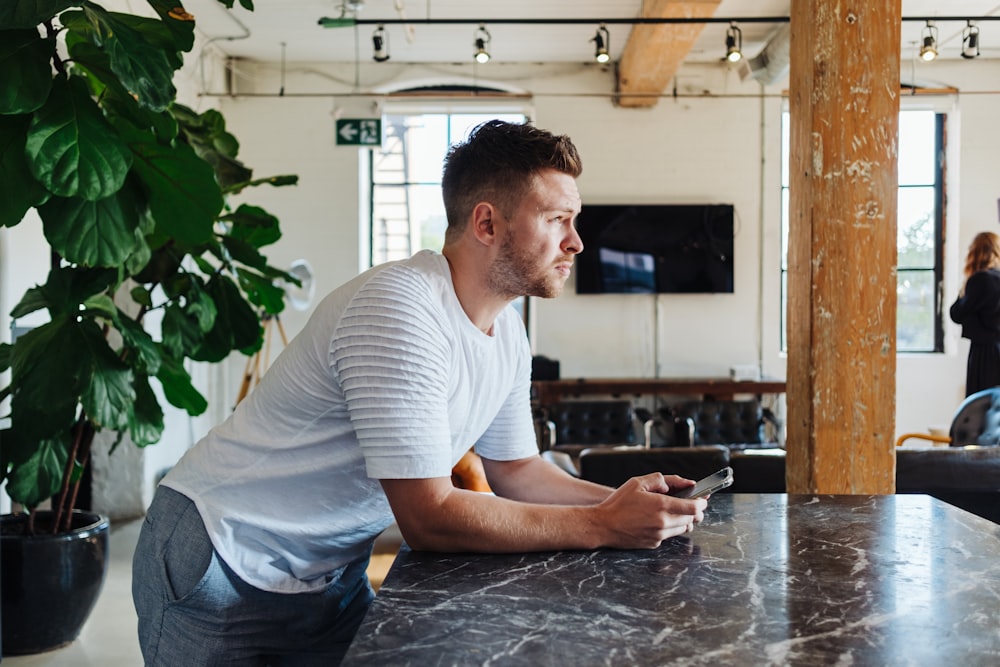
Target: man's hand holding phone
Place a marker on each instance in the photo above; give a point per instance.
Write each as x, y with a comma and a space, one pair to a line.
707, 486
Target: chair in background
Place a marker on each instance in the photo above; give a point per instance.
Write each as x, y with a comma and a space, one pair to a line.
613, 467
967, 477
736, 424
571, 426
664, 430
976, 422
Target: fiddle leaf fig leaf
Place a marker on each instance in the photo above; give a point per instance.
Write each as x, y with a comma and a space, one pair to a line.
115, 98
207, 135
237, 326
177, 387
180, 333
142, 348
253, 225
100, 305
33, 300
146, 419
201, 307
92, 233
141, 54
141, 296
72, 150
68, 287
262, 292
177, 21
25, 71
25, 14
275, 181
48, 372
20, 189
108, 395
184, 198
39, 476
244, 253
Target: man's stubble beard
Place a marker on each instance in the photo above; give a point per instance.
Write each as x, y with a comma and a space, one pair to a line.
514, 273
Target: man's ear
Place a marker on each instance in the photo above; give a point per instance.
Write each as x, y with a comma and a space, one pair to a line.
483, 218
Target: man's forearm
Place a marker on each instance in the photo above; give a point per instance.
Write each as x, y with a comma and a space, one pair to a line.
452, 519
433, 515
534, 480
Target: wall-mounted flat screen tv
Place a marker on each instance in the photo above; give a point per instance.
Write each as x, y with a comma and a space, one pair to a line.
655, 249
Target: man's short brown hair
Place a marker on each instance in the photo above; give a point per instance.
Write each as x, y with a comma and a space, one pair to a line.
498, 163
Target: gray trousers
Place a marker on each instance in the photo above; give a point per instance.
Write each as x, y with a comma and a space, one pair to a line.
194, 610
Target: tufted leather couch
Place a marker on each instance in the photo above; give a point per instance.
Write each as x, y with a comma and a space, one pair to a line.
967, 477
736, 424
574, 425
613, 467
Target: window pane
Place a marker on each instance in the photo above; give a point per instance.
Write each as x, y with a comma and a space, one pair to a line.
784, 310
915, 228
918, 232
915, 311
785, 144
426, 147
916, 147
406, 218
784, 229
407, 210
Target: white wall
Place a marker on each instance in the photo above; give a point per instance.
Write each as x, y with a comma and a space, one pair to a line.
718, 140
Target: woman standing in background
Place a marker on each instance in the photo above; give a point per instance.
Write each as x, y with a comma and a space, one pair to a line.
977, 309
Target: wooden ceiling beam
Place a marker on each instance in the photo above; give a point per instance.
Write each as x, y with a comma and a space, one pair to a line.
654, 52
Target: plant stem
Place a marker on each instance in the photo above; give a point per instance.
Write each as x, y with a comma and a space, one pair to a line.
83, 435
84, 460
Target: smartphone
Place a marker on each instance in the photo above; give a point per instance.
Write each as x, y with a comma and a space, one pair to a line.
707, 486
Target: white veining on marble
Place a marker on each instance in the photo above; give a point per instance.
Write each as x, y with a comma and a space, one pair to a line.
764, 580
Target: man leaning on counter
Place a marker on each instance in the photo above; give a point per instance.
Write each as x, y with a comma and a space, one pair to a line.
255, 546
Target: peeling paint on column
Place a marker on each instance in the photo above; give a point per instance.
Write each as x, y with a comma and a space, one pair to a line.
817, 154
860, 170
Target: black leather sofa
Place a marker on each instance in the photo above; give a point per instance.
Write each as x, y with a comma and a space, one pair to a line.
967, 477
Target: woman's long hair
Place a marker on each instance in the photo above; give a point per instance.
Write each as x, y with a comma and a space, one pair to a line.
984, 253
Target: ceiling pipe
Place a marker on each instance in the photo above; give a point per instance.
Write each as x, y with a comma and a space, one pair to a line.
773, 61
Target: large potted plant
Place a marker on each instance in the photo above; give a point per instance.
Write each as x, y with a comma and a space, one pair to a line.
131, 189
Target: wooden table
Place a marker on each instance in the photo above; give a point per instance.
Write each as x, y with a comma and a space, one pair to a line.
720, 388
766, 579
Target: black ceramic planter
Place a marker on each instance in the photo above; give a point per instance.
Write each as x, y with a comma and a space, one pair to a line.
50, 583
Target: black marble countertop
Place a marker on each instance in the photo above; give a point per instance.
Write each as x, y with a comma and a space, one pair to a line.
766, 579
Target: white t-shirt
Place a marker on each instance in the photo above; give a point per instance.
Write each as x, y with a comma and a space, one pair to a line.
389, 379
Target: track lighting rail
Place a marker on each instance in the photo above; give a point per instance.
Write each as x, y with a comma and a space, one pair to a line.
349, 21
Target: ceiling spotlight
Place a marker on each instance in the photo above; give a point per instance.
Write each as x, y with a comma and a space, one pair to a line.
482, 41
602, 40
734, 43
928, 48
380, 45
970, 41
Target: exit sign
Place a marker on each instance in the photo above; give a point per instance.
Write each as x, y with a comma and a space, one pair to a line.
359, 132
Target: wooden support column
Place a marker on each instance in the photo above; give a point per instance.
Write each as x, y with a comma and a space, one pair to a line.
844, 108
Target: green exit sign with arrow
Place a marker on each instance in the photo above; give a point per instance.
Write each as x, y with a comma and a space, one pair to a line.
359, 131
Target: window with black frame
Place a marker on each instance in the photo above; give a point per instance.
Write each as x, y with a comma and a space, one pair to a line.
919, 235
